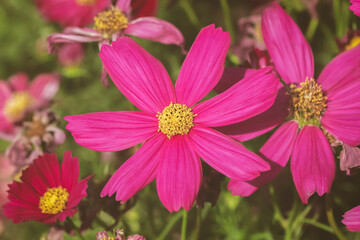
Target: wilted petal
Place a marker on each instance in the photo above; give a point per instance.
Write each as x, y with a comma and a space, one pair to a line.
312, 163
352, 219
349, 157
179, 174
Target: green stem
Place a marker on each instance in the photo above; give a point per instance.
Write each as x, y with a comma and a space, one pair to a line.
184, 225
318, 225
169, 226
227, 18
314, 22
331, 219
198, 224
75, 228
190, 13
278, 216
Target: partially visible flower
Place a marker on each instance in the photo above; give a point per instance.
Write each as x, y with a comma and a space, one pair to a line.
76, 13
70, 54
34, 138
176, 130
349, 158
55, 234
143, 8
18, 97
119, 236
352, 219
7, 171
46, 193
355, 7
349, 41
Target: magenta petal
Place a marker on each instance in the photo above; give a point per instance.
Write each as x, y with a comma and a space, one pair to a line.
179, 174
138, 75
355, 7
312, 163
352, 219
203, 66
5, 93
251, 96
111, 131
226, 155
261, 123
288, 48
70, 169
349, 157
137, 172
155, 29
44, 87
123, 5
19, 82
276, 152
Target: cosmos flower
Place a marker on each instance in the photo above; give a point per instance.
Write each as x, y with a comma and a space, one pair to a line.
46, 193
355, 7
176, 130
18, 97
311, 114
75, 13
352, 219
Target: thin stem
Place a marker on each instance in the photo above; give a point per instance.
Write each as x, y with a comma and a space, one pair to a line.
169, 226
314, 22
184, 225
331, 219
190, 13
318, 225
227, 18
198, 224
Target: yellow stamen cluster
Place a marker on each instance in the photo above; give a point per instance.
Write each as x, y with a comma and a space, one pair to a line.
307, 102
54, 200
86, 2
110, 22
175, 119
16, 105
353, 43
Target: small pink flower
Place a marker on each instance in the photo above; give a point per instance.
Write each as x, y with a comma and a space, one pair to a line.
355, 7
70, 54
17, 97
46, 193
75, 13
319, 112
352, 219
176, 130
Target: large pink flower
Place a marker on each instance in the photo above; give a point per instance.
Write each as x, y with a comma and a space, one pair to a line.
17, 97
175, 130
355, 7
319, 111
352, 219
76, 13
46, 193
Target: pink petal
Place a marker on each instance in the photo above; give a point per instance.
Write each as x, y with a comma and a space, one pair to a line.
355, 7
155, 29
349, 157
70, 169
203, 66
276, 152
44, 87
123, 5
226, 155
251, 96
232, 75
288, 48
137, 172
77, 193
19, 82
7, 129
312, 163
111, 131
138, 75
179, 174
352, 219
261, 123
5, 93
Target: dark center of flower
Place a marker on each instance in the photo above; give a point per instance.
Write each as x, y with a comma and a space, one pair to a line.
175, 119
36, 128
308, 102
54, 200
86, 2
110, 22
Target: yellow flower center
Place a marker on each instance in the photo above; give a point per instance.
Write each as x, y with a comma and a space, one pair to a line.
110, 22
308, 102
15, 106
175, 119
353, 43
54, 200
86, 2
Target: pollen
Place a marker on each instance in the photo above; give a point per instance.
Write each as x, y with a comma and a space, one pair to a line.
86, 2
308, 102
353, 43
54, 200
16, 105
175, 119
110, 22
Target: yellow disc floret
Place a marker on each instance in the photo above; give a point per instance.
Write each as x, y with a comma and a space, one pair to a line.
175, 119
353, 43
16, 105
86, 2
110, 22
54, 200
308, 102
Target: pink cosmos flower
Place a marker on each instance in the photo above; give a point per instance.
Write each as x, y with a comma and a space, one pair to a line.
352, 219
17, 97
355, 7
318, 112
76, 13
46, 193
176, 130
70, 54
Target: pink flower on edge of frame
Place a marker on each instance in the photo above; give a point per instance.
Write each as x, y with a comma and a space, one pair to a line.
355, 7
46, 193
18, 97
305, 138
75, 13
352, 219
172, 150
